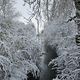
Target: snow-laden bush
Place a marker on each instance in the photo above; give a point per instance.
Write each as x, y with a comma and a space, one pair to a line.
19, 46
19, 49
61, 32
68, 66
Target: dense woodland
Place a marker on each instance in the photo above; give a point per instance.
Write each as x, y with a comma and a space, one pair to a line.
29, 53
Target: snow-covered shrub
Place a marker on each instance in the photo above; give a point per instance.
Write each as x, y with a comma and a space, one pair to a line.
25, 47
18, 45
19, 48
67, 66
61, 32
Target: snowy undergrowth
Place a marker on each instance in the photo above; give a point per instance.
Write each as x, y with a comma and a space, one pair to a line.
61, 32
19, 51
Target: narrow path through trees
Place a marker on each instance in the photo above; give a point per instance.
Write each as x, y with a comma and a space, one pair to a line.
48, 73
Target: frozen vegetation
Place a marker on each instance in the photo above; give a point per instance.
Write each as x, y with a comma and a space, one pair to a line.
18, 51
49, 55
